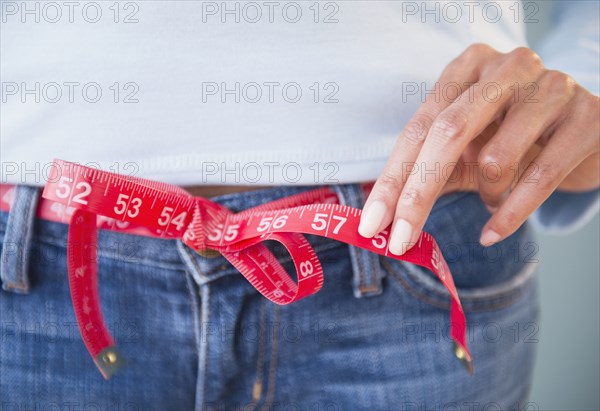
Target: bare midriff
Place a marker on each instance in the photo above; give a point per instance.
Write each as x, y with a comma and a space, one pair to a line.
213, 191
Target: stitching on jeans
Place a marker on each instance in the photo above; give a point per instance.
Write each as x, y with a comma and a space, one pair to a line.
376, 272
373, 287
49, 241
188, 282
44, 240
363, 287
260, 355
11, 284
361, 275
420, 296
357, 253
273, 364
20, 263
26, 239
204, 293
205, 348
344, 193
367, 283
468, 305
196, 329
20, 258
499, 296
194, 262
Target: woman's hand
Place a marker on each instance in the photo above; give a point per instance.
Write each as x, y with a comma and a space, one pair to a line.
500, 124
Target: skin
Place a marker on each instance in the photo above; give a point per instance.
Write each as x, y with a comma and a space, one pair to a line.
541, 133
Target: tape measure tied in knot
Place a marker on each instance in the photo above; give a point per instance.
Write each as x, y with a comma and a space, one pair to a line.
193, 236
99, 199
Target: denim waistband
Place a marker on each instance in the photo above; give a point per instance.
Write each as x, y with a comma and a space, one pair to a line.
20, 228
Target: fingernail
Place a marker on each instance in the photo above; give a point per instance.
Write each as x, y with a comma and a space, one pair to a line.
491, 209
371, 219
401, 237
489, 237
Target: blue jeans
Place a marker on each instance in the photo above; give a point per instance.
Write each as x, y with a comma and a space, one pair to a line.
196, 335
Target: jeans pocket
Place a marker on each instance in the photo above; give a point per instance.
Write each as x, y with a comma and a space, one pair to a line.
485, 277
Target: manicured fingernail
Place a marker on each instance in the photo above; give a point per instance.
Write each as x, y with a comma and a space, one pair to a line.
491, 209
401, 237
371, 219
489, 237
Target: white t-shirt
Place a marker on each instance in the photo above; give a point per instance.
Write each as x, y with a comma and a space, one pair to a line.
191, 92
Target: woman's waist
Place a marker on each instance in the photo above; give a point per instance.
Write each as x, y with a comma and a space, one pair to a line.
210, 191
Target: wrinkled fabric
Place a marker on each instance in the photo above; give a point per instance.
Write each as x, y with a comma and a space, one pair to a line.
196, 335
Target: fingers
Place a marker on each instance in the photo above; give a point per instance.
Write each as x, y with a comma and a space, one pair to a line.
573, 183
525, 123
562, 154
453, 129
446, 132
379, 208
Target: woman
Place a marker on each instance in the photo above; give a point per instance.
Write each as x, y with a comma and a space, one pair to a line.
226, 98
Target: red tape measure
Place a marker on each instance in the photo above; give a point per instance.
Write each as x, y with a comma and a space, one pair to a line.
101, 199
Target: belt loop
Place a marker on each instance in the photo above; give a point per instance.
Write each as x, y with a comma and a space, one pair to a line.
14, 259
367, 272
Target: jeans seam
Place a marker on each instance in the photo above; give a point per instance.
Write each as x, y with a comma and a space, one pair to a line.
272, 381
260, 356
20, 264
47, 241
44, 240
205, 310
413, 291
191, 294
195, 263
470, 304
19, 285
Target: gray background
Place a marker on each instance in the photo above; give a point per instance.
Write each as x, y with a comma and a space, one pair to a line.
567, 373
